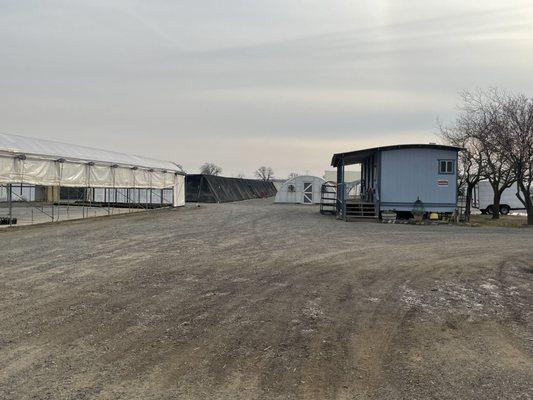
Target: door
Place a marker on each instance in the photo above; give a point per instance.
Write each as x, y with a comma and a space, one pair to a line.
308, 193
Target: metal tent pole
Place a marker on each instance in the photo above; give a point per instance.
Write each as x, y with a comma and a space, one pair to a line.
10, 202
199, 188
58, 202
115, 201
60, 165
133, 169
87, 186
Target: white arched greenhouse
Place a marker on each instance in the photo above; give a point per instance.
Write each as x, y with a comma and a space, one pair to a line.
34, 170
303, 189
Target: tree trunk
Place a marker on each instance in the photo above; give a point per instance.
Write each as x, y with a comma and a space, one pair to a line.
526, 200
496, 205
468, 200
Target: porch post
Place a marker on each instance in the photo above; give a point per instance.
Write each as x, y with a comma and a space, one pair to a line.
340, 188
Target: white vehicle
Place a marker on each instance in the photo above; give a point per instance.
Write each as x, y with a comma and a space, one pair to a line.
483, 198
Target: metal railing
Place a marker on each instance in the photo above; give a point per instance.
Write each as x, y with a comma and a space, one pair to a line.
53, 213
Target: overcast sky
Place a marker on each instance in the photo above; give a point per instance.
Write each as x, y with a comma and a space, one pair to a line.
245, 83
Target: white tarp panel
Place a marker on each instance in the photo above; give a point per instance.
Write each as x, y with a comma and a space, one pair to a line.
179, 191
32, 170
143, 178
73, 175
7, 169
48, 163
124, 177
102, 175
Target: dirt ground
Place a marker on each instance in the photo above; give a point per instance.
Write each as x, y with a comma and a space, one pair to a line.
254, 300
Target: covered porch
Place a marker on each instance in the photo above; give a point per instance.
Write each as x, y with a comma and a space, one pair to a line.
364, 202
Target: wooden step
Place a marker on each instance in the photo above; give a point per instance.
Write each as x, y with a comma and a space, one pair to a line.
360, 212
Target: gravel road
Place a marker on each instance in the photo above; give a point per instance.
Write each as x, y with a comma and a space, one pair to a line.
254, 300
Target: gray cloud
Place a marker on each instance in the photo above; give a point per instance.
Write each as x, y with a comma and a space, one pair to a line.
283, 83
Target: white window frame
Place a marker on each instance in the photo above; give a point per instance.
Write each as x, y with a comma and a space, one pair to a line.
447, 171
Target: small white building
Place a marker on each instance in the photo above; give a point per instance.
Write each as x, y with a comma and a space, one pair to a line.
303, 189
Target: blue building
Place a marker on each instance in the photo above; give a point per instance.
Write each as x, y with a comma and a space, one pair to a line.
394, 178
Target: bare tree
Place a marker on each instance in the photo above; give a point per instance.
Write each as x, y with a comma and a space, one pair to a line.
518, 147
470, 168
491, 131
496, 130
292, 175
210, 169
264, 173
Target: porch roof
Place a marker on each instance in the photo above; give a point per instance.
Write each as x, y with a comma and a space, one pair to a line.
357, 156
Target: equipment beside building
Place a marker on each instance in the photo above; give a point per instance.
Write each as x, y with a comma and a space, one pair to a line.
483, 197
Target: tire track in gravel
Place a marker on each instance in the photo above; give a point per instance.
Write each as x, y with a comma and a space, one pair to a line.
248, 300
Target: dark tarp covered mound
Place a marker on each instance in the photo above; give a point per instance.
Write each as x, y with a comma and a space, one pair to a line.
218, 189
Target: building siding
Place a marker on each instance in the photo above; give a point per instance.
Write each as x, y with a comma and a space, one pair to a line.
408, 174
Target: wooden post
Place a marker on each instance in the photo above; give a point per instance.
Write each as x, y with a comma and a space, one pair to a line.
340, 188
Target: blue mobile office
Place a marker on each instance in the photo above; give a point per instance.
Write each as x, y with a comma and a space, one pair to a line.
399, 178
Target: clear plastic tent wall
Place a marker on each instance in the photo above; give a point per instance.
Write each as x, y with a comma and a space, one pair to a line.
49, 163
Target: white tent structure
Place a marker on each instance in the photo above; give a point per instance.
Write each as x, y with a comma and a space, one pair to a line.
48, 163
303, 189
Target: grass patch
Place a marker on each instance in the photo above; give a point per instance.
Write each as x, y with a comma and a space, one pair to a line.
509, 221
